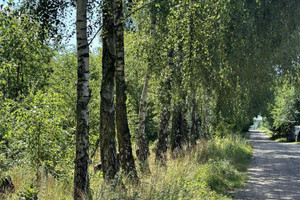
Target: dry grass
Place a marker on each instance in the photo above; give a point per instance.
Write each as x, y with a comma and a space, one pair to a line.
207, 171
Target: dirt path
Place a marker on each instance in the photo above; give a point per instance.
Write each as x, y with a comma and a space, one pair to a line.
274, 172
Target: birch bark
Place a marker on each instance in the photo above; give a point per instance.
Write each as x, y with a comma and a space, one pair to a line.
81, 176
108, 151
123, 133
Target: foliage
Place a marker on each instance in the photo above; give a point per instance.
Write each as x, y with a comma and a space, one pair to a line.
230, 60
23, 55
40, 129
37, 136
29, 194
286, 108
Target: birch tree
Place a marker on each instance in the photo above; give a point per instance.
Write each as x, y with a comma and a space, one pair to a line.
162, 144
81, 176
143, 150
123, 133
108, 150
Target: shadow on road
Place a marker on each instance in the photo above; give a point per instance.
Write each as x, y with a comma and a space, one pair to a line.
274, 172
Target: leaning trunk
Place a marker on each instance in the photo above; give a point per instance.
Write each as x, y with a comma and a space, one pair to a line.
108, 151
81, 176
125, 149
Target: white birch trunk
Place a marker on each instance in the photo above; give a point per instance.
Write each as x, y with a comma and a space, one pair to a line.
81, 176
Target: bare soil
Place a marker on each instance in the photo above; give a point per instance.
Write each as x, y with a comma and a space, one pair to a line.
274, 172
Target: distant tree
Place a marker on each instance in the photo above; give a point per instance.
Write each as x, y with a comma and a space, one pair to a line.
23, 55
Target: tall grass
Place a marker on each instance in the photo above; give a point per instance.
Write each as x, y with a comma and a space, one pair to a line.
208, 171
273, 135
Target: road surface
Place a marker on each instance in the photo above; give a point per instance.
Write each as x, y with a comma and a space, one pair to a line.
274, 172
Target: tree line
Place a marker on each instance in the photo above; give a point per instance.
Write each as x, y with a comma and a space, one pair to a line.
167, 72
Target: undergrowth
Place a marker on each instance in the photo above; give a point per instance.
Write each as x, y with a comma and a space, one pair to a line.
208, 171
272, 135
268, 132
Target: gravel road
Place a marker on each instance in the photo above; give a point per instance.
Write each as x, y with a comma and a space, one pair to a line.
274, 172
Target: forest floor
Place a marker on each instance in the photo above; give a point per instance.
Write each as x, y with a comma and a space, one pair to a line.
274, 171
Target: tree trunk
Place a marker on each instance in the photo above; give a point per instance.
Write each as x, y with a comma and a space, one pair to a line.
180, 129
143, 148
178, 136
195, 126
176, 131
81, 176
162, 145
108, 151
125, 149
182, 95
194, 133
204, 121
184, 121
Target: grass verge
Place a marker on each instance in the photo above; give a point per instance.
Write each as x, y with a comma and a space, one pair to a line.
272, 136
208, 171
